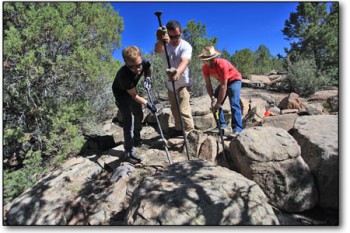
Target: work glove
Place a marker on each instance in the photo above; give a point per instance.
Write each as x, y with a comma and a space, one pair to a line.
172, 74
151, 107
147, 83
213, 101
162, 34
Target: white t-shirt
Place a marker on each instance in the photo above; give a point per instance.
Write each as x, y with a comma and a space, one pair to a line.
183, 50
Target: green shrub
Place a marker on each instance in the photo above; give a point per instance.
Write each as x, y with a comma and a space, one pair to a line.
15, 182
303, 77
159, 78
65, 137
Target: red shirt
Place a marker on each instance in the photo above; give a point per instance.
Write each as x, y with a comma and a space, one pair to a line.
222, 70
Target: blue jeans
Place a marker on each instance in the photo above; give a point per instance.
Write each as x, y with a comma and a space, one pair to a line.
233, 92
132, 120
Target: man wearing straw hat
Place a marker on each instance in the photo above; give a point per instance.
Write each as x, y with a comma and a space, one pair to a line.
230, 82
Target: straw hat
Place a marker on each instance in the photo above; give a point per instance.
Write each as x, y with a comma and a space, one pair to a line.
208, 53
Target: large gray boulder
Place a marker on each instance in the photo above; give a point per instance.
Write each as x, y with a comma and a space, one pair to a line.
199, 193
271, 157
318, 138
285, 122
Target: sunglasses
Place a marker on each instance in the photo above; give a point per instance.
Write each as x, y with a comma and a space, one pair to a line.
175, 36
135, 66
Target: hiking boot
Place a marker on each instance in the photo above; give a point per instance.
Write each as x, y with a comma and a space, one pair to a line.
132, 158
233, 134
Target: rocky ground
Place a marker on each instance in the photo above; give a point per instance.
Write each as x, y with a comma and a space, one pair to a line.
216, 187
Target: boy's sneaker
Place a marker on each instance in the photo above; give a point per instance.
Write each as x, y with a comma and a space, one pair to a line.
132, 158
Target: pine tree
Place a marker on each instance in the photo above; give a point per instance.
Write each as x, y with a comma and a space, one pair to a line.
262, 60
243, 60
313, 32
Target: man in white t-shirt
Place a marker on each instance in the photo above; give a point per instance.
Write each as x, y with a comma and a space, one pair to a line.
180, 53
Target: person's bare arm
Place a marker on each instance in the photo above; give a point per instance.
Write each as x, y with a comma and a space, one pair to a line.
209, 87
183, 65
136, 97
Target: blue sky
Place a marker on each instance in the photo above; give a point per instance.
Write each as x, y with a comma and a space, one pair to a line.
237, 25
